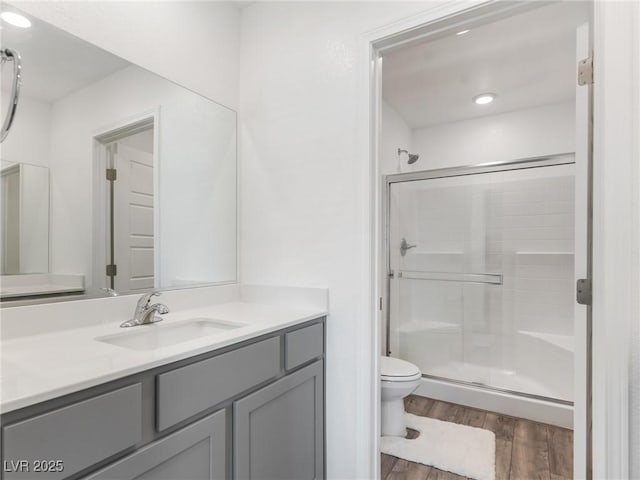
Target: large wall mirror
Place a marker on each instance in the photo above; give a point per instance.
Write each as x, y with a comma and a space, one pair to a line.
111, 176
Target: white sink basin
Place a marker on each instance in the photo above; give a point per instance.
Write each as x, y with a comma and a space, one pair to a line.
157, 335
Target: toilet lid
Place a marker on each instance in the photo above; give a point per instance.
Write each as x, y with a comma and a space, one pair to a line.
394, 368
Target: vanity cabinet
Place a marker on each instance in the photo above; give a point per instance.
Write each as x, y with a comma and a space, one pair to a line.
197, 452
250, 411
279, 430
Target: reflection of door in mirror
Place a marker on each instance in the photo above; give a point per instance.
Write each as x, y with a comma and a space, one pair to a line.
10, 219
130, 196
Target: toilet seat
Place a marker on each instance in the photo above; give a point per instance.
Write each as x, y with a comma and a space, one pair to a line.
396, 370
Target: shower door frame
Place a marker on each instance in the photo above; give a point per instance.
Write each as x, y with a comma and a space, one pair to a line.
567, 158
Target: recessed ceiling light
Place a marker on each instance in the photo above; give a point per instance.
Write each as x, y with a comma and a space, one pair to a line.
462, 32
484, 98
15, 19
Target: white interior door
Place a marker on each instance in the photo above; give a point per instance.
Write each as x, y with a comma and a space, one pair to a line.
133, 219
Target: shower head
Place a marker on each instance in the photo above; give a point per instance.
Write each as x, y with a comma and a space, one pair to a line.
413, 157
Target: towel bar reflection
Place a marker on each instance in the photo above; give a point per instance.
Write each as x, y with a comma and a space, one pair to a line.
9, 55
489, 278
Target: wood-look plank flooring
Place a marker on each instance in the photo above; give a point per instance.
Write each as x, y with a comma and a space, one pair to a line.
525, 450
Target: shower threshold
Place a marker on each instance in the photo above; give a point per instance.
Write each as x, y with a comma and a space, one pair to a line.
500, 389
534, 407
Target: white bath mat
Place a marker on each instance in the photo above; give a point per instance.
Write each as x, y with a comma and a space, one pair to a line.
459, 449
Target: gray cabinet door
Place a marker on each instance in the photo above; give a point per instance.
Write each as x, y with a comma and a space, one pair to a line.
279, 430
197, 452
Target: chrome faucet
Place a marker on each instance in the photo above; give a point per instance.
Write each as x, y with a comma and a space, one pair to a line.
110, 291
145, 313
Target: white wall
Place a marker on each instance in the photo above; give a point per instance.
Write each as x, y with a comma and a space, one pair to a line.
197, 181
544, 130
34, 219
304, 186
29, 141
192, 43
394, 134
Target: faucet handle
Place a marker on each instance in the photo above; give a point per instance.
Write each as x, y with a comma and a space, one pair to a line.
146, 298
161, 308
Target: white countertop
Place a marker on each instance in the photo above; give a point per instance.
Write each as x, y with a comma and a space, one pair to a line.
22, 285
37, 289
43, 366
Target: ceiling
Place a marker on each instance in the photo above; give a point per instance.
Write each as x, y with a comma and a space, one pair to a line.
527, 60
55, 63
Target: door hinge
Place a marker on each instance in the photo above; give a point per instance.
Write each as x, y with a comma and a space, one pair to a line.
584, 292
585, 71
112, 270
112, 174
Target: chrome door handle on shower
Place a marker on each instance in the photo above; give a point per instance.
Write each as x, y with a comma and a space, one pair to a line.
9, 55
404, 246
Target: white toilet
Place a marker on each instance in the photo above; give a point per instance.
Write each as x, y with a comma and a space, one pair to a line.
399, 379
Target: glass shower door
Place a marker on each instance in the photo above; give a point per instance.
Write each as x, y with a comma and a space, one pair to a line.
482, 284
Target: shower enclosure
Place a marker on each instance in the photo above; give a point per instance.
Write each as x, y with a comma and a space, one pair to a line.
481, 275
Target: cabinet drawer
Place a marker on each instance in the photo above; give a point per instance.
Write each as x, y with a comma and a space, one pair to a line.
186, 391
303, 345
198, 451
78, 435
